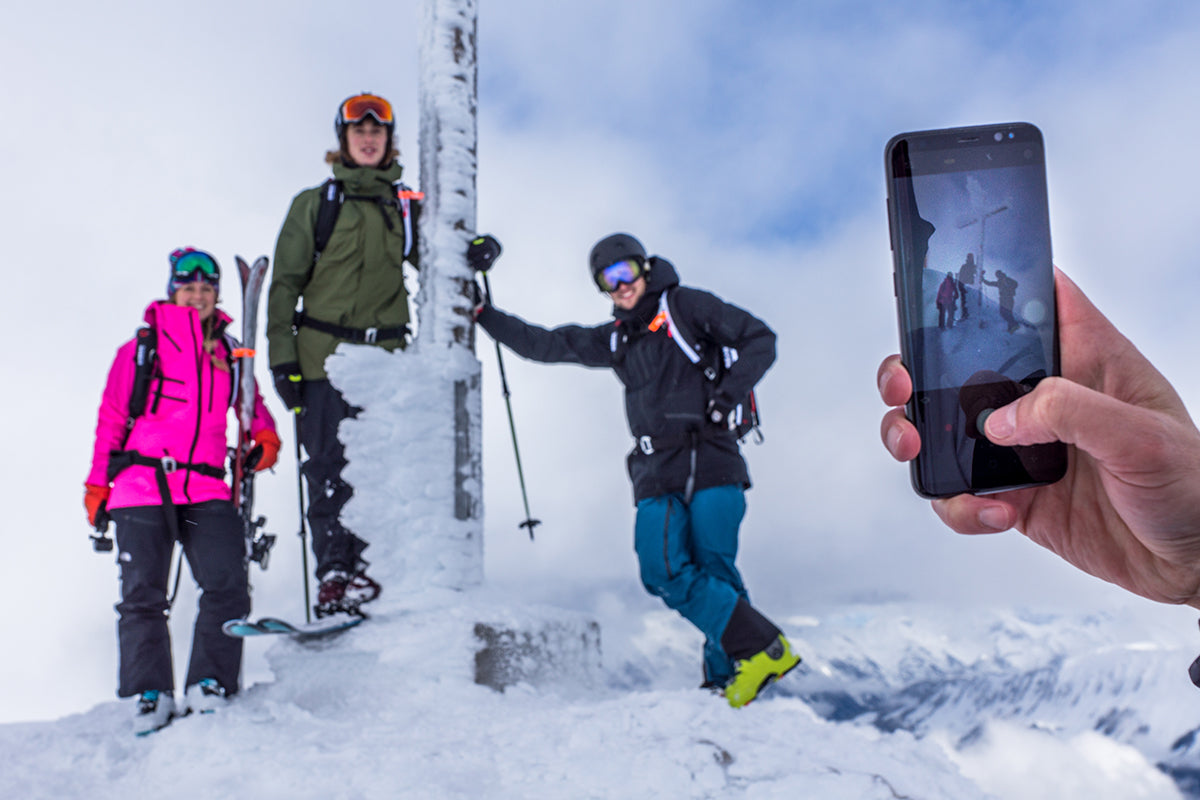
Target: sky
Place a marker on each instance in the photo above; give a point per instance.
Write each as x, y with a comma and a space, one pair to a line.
745, 146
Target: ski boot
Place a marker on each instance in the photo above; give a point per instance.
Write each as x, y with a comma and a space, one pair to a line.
154, 711
753, 674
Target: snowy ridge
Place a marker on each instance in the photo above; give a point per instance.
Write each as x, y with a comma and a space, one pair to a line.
391, 709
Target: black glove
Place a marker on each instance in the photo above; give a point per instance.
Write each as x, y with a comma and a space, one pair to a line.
478, 298
102, 519
288, 384
482, 251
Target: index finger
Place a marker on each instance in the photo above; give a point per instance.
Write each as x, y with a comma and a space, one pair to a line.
894, 382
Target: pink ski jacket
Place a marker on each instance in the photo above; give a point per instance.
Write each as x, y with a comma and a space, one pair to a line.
187, 413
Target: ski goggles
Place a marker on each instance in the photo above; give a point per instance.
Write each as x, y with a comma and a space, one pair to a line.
359, 107
188, 265
611, 277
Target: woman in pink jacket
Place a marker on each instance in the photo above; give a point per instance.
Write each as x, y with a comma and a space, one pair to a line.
161, 478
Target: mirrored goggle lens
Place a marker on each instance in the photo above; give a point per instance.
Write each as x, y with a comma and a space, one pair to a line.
357, 108
196, 262
611, 277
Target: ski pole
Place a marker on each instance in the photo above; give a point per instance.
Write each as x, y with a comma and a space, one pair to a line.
529, 522
303, 526
178, 572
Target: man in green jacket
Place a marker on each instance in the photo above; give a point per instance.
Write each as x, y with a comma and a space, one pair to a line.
351, 289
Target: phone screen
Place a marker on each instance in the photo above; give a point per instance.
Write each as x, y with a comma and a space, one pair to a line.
974, 284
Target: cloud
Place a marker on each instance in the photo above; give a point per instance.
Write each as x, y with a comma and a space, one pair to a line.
744, 145
1011, 761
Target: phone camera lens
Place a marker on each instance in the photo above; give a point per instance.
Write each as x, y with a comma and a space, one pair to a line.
998, 136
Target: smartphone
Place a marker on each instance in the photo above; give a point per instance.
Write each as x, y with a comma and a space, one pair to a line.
974, 282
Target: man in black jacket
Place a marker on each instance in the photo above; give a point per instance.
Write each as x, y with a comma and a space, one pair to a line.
688, 474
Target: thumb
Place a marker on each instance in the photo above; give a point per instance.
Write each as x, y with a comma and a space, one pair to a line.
1059, 410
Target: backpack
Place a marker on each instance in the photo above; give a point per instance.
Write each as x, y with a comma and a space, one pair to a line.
713, 363
333, 195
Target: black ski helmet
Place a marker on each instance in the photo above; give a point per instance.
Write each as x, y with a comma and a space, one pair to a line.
614, 248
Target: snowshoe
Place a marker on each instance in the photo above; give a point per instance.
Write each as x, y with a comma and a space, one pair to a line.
342, 592
360, 589
331, 592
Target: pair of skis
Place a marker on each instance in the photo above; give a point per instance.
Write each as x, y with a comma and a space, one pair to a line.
259, 542
268, 626
253, 276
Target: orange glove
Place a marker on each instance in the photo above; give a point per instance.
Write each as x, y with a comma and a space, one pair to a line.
94, 500
267, 442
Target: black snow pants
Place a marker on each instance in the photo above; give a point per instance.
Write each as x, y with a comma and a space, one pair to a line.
215, 547
333, 545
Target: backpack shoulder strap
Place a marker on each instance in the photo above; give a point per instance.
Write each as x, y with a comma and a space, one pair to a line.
332, 195
746, 414
232, 345
681, 335
145, 359
408, 210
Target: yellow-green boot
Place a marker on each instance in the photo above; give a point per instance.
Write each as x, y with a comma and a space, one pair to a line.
752, 674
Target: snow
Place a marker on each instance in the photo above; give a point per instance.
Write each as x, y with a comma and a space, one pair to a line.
391, 709
403, 506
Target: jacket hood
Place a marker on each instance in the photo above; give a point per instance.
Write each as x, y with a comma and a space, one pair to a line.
662, 275
150, 316
368, 180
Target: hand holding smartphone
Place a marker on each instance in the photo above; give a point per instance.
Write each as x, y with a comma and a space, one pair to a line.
974, 283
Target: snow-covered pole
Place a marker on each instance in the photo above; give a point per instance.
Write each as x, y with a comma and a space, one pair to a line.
446, 334
447, 143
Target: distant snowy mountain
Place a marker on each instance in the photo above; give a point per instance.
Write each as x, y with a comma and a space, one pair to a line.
955, 676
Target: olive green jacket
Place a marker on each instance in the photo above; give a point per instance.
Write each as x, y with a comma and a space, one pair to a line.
358, 282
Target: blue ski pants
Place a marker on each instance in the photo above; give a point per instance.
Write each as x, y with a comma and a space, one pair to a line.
686, 554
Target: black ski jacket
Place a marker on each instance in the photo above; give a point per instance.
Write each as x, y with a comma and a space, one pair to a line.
666, 395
